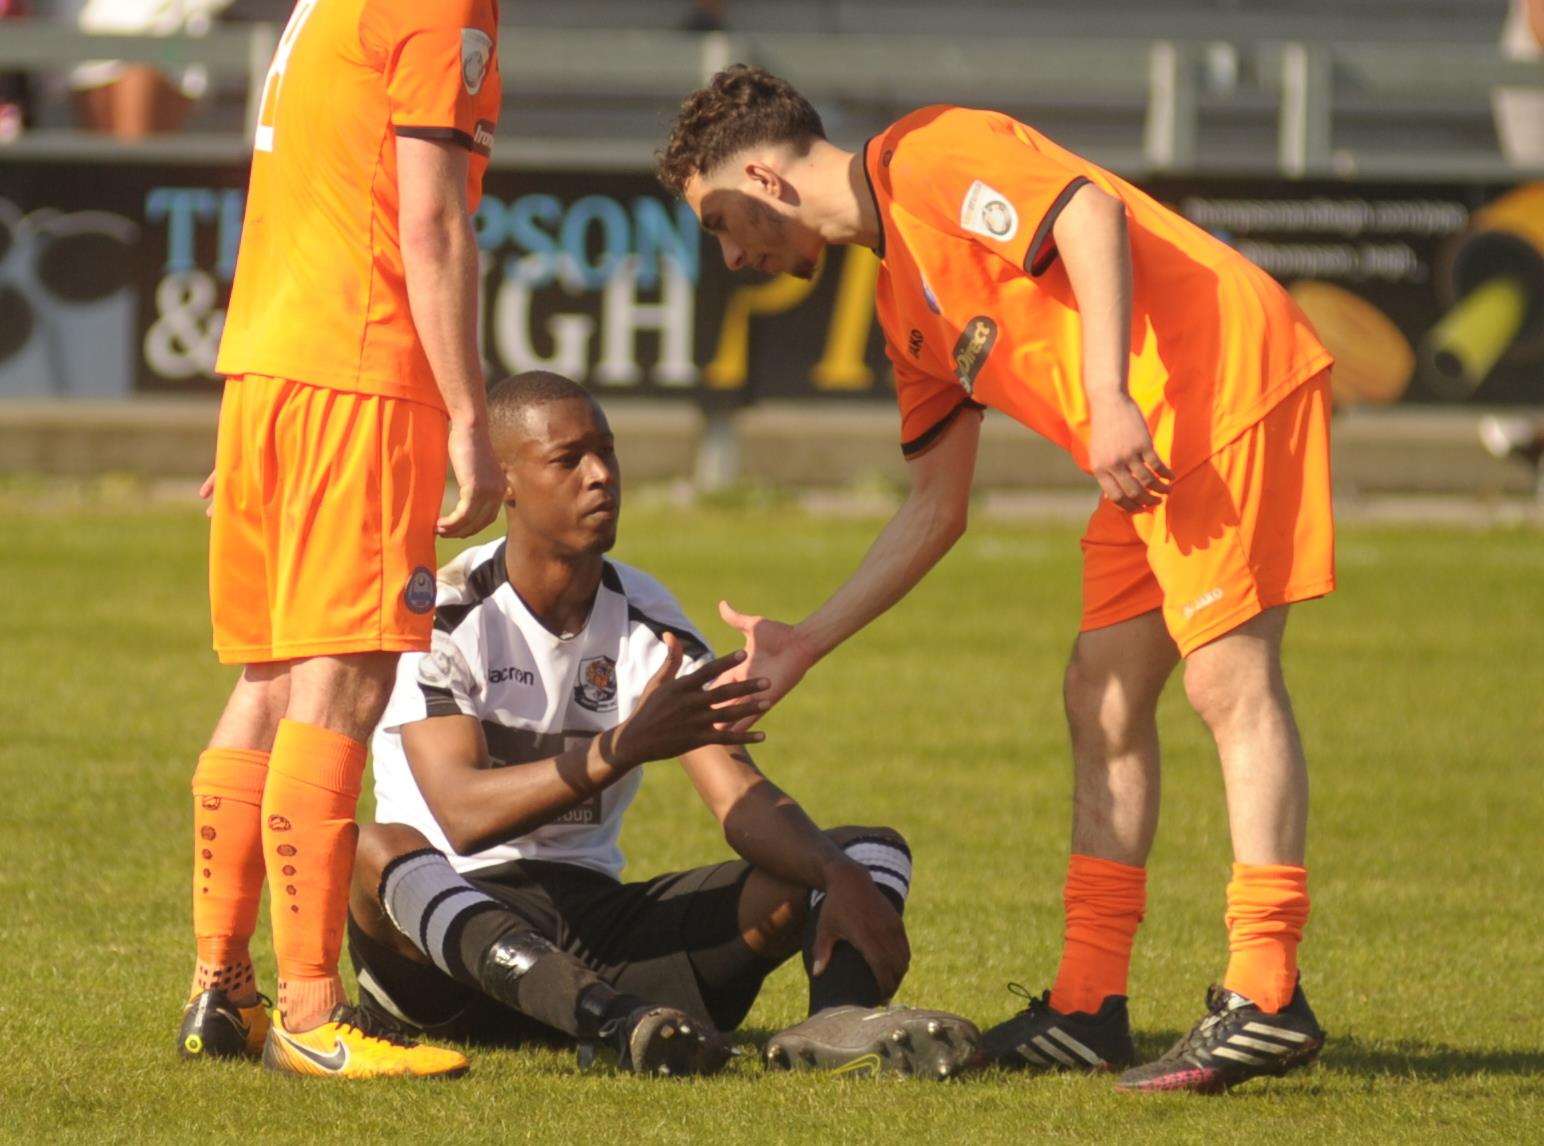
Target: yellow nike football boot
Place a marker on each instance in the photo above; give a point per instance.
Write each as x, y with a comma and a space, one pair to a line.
214, 1027
347, 1045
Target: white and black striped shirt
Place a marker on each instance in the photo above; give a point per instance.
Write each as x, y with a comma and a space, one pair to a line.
534, 693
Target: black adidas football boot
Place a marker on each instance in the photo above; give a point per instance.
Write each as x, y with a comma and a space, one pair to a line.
1042, 1038
1234, 1042
868, 1041
214, 1027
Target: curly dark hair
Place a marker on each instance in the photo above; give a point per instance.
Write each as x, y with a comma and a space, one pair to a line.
743, 106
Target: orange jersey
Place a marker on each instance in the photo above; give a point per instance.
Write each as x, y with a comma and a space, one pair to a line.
320, 295
976, 306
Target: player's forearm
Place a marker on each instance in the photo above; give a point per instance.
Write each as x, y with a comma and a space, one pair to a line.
767, 828
1096, 250
917, 537
439, 255
493, 805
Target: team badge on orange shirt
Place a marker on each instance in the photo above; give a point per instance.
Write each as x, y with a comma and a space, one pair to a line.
419, 594
987, 212
597, 687
476, 52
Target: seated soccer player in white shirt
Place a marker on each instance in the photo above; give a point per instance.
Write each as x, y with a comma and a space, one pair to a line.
486, 903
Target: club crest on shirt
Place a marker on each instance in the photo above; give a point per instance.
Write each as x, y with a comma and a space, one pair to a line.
476, 54
596, 688
987, 212
971, 351
419, 594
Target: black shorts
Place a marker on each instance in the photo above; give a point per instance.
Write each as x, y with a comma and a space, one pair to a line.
674, 939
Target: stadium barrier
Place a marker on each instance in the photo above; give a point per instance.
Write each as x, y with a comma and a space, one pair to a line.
1429, 290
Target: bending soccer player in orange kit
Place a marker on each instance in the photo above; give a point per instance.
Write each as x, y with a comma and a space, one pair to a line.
350, 353
1019, 276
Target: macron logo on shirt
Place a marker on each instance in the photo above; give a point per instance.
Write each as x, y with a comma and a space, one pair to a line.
513, 674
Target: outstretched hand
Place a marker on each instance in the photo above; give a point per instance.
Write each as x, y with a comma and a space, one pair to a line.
679, 714
774, 651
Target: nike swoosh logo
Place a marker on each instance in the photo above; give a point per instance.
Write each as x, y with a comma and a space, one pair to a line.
864, 1064
335, 1061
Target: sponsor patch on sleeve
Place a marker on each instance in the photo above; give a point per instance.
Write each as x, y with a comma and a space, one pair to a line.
986, 211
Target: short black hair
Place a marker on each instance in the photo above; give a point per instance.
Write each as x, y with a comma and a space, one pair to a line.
510, 398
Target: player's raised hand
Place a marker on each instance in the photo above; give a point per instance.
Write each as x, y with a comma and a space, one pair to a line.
1121, 455
855, 910
773, 651
678, 714
479, 482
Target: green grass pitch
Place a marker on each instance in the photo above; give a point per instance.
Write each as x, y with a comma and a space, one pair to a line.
1418, 686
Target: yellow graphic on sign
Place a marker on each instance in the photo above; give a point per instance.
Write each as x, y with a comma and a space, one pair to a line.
727, 370
842, 367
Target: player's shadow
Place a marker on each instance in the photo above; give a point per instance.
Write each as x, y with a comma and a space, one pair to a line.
1399, 1058
1412, 1058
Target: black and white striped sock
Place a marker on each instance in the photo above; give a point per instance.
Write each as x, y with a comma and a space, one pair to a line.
479, 941
847, 979
888, 862
431, 904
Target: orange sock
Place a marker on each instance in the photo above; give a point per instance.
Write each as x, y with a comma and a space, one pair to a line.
1104, 901
227, 868
308, 838
1267, 910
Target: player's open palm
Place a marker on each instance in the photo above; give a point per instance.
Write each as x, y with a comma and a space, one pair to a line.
773, 651
679, 714
479, 483
1122, 457
855, 910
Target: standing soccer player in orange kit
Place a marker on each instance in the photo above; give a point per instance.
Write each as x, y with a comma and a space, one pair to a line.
350, 353
1019, 276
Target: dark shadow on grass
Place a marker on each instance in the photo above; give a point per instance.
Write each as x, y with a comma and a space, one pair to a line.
1411, 1058
1401, 1058
1151, 1044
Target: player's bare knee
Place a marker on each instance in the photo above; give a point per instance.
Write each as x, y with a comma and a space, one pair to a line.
378, 845
345, 694
256, 704
1224, 691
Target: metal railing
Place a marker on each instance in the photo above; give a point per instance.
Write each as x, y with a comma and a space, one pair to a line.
1169, 83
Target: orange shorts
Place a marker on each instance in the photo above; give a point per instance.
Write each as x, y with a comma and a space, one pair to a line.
322, 539
1250, 528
